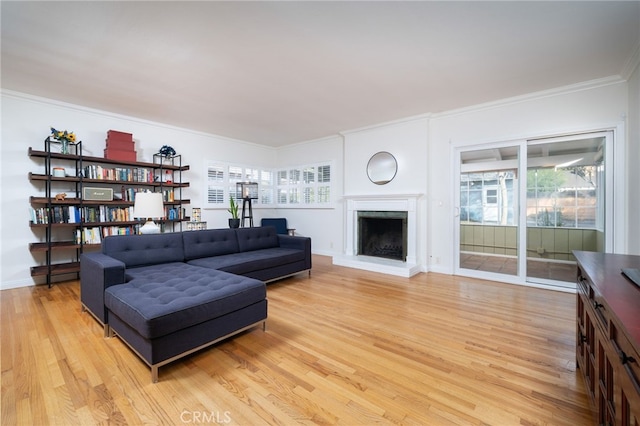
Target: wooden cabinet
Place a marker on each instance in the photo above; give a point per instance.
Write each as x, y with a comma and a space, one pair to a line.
608, 335
67, 225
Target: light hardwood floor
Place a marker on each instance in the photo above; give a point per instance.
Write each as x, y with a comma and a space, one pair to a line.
342, 347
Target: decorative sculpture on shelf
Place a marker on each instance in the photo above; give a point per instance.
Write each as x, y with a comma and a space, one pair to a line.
167, 151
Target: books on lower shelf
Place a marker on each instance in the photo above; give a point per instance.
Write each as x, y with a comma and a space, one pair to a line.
107, 214
88, 235
174, 213
95, 234
75, 214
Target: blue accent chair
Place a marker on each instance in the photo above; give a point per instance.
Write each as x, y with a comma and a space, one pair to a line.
280, 223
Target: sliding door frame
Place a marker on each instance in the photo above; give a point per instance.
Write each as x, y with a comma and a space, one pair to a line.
616, 240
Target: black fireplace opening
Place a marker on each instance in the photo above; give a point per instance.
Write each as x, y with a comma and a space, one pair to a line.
383, 234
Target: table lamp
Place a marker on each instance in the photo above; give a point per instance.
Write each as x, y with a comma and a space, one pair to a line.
148, 205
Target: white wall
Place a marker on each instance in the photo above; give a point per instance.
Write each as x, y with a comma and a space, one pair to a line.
580, 108
25, 123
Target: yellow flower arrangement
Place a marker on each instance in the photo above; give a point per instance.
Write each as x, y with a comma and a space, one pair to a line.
63, 135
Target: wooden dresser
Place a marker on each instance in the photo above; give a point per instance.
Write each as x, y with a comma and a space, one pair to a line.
608, 335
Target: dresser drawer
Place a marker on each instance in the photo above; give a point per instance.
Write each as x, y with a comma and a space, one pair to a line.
583, 286
594, 300
627, 355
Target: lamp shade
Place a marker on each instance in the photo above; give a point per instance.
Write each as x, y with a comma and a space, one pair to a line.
148, 205
247, 190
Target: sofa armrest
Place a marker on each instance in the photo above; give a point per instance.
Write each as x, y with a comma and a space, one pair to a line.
300, 243
98, 272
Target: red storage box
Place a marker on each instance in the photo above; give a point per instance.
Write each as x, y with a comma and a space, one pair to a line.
120, 145
122, 136
120, 155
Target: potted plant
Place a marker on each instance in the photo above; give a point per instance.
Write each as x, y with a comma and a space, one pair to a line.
234, 222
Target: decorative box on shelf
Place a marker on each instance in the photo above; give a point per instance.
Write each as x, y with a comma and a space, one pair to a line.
97, 193
120, 146
119, 155
196, 226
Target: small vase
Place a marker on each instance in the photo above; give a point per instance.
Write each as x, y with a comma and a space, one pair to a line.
234, 223
65, 147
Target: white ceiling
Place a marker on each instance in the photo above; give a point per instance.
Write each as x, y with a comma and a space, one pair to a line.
277, 73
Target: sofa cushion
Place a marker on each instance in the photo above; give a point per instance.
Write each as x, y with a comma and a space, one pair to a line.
257, 238
210, 242
136, 250
176, 298
256, 260
153, 273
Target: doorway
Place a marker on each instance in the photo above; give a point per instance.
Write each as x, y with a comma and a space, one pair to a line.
524, 206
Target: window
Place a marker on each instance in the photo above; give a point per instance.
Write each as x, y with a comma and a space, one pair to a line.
265, 186
487, 197
215, 185
222, 179
305, 186
563, 197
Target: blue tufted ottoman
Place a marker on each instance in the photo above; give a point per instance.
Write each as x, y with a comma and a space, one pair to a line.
165, 312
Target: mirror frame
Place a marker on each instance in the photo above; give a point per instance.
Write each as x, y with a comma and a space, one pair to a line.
382, 168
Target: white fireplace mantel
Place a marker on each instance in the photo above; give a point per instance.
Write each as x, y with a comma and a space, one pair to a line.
397, 202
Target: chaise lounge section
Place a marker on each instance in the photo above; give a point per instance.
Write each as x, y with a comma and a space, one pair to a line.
168, 295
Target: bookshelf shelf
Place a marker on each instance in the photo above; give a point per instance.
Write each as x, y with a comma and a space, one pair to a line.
55, 269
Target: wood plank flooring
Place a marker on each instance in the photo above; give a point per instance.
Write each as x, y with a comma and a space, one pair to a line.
342, 347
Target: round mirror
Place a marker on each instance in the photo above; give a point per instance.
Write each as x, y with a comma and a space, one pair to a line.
382, 168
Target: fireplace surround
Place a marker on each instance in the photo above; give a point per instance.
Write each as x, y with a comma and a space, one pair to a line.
381, 205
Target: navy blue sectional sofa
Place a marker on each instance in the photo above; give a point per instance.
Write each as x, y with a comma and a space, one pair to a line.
168, 295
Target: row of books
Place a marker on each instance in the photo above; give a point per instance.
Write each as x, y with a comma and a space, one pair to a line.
174, 213
128, 174
168, 195
56, 214
74, 214
107, 214
88, 235
95, 234
129, 194
120, 230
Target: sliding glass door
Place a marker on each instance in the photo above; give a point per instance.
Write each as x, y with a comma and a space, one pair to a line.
566, 207
488, 210
523, 207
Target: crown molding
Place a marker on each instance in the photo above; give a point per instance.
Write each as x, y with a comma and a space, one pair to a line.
387, 123
573, 88
632, 64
